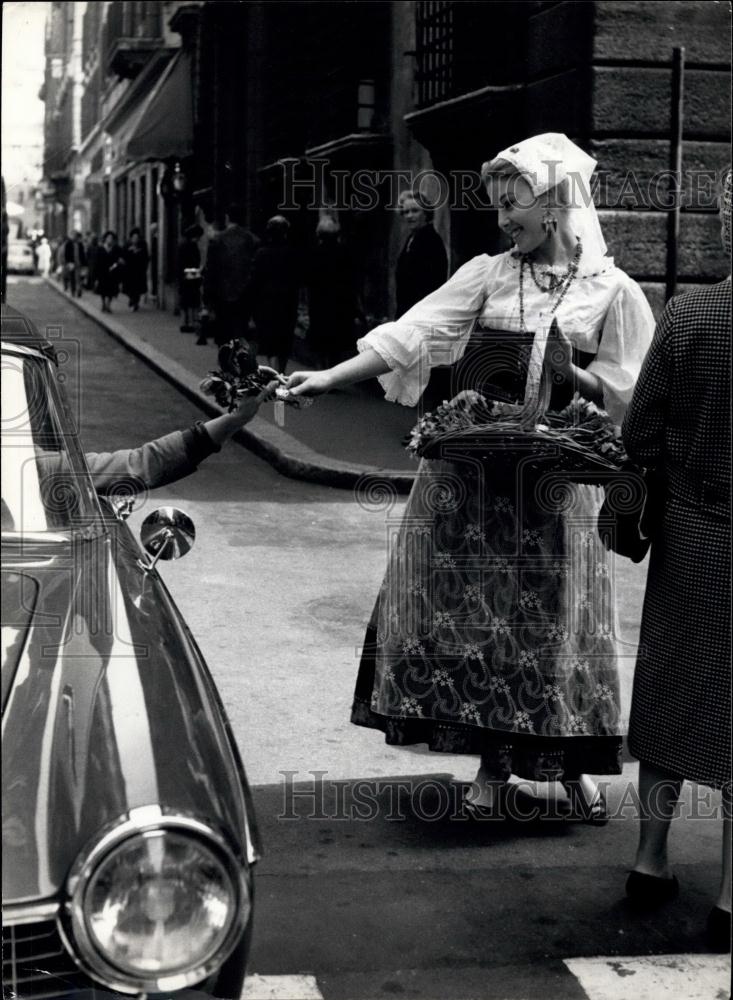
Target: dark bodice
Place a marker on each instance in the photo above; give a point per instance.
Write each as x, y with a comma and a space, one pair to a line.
495, 364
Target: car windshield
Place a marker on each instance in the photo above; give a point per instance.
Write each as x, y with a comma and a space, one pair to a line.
45, 487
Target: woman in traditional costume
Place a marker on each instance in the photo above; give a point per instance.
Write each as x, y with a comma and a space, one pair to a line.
495, 630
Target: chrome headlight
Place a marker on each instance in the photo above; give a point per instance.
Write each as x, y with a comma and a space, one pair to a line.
157, 905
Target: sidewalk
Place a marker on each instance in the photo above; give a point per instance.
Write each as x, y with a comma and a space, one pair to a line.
343, 437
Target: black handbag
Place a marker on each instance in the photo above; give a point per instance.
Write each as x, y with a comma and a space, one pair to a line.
630, 513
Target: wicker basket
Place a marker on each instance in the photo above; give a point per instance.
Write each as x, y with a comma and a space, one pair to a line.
524, 438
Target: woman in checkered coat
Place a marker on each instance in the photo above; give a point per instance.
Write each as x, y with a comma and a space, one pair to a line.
679, 424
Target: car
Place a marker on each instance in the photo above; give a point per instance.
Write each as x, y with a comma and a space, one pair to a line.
20, 258
129, 837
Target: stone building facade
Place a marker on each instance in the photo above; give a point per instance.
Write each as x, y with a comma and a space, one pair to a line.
312, 107
57, 93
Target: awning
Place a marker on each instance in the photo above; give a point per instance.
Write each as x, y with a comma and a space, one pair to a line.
165, 127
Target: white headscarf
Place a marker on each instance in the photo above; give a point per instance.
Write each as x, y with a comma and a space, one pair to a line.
547, 160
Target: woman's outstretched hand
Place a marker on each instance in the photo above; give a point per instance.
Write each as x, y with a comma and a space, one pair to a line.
309, 383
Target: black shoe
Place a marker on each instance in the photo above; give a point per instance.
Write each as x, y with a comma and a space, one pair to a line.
647, 892
718, 930
202, 341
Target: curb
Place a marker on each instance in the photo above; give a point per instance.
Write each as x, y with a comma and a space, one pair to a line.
282, 451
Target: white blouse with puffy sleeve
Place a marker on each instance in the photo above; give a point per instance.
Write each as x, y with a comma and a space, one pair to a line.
604, 313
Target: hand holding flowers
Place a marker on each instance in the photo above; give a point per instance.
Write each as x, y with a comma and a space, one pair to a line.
305, 384
240, 384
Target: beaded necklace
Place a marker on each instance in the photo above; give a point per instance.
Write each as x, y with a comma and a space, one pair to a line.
564, 282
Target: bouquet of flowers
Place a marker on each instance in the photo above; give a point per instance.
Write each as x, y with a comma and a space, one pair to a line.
239, 375
582, 431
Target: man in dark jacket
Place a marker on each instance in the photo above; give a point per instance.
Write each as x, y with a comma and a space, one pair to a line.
227, 277
75, 260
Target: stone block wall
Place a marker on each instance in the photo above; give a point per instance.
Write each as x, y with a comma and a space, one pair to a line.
629, 125
602, 73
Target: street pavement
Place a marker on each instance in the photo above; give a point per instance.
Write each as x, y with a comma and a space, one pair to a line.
368, 888
343, 436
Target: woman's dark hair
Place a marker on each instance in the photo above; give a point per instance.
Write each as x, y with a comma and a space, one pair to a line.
110, 232
277, 229
194, 232
136, 231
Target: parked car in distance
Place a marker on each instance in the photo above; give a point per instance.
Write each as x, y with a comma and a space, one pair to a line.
20, 258
129, 837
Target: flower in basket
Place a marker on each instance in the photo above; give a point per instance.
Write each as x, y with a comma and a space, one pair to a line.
581, 425
239, 375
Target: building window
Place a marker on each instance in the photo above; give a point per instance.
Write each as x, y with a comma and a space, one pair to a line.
465, 46
434, 24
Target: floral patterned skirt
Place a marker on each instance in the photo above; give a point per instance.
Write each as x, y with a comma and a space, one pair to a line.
494, 632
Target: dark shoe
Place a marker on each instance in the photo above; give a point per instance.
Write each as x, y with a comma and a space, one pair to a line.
647, 892
594, 813
718, 930
185, 328
202, 341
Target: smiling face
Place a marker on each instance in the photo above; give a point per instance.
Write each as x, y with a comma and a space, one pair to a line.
520, 212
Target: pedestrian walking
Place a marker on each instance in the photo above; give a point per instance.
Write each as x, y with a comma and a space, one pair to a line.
422, 265
91, 246
678, 425
227, 276
470, 649
110, 267
274, 293
58, 248
75, 260
154, 259
135, 279
189, 277
332, 295
44, 257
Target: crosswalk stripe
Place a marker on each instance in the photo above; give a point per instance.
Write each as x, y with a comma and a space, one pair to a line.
281, 988
648, 977
654, 977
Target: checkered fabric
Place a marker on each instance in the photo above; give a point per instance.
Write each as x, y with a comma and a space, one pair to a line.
679, 421
725, 209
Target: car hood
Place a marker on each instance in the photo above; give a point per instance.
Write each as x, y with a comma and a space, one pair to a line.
107, 706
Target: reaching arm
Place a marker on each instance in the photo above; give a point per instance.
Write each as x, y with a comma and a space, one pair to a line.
172, 457
220, 429
362, 366
440, 324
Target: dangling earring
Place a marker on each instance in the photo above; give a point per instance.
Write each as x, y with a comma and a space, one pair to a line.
549, 222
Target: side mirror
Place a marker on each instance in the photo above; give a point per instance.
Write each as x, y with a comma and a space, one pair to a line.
167, 533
